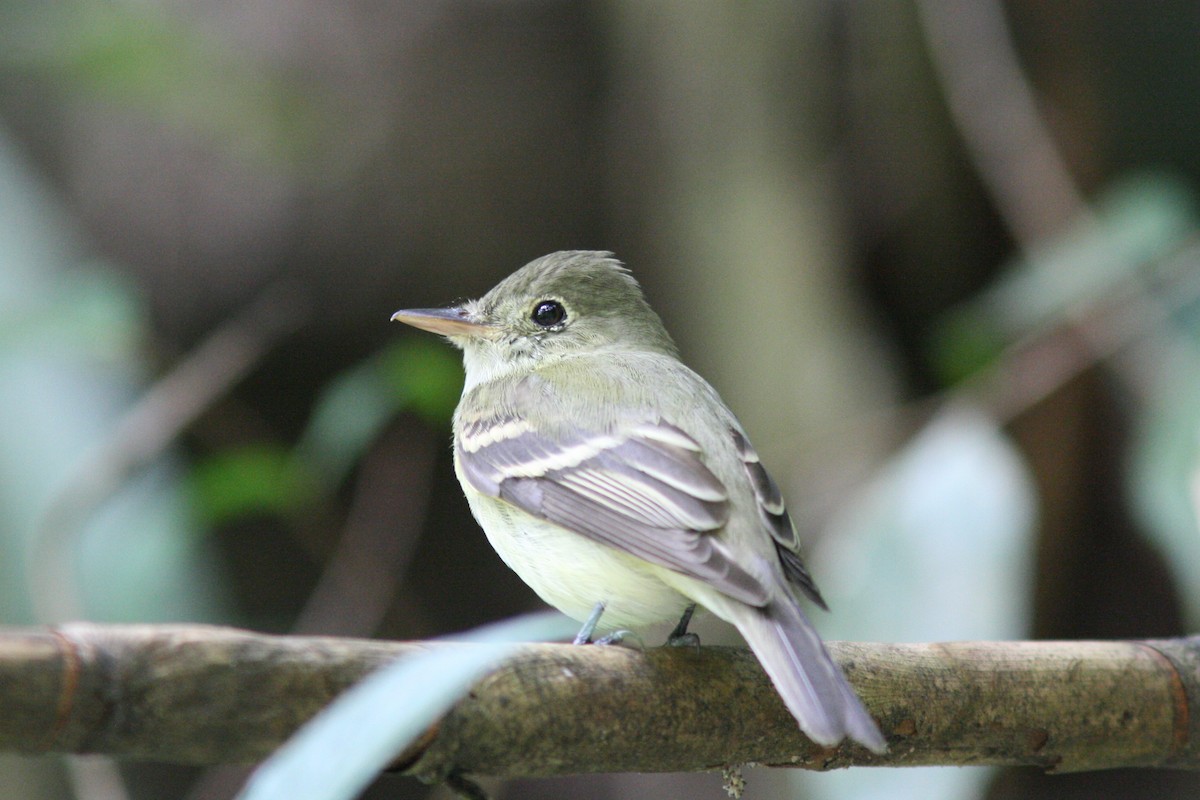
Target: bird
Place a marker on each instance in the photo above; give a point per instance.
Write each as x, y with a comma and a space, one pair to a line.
620, 487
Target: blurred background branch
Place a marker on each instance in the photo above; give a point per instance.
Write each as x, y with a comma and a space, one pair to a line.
142, 436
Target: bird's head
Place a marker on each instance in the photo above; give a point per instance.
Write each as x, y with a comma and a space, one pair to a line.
567, 303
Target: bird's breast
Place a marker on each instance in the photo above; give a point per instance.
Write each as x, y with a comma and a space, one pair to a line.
572, 572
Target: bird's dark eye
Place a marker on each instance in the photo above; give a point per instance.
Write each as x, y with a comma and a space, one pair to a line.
548, 313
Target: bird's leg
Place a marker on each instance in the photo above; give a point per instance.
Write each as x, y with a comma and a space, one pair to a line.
589, 625
680, 636
681, 629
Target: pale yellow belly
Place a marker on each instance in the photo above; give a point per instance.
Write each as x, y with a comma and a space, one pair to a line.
573, 573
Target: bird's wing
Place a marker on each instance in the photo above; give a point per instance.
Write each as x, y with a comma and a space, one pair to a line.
643, 489
775, 514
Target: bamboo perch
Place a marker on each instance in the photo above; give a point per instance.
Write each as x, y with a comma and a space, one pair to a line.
208, 695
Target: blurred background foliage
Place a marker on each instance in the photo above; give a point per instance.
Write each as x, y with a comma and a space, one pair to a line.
941, 258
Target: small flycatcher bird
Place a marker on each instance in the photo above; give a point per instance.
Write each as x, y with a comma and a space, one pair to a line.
619, 486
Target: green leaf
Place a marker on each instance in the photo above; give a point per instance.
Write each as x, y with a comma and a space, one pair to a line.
965, 343
410, 375
252, 479
426, 373
1137, 222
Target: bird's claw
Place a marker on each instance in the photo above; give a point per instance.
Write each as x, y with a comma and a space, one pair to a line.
684, 640
616, 637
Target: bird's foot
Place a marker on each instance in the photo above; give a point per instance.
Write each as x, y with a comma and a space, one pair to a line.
589, 627
679, 637
686, 640
616, 637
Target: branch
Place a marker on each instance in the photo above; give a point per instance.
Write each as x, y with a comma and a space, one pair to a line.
208, 695
145, 431
996, 111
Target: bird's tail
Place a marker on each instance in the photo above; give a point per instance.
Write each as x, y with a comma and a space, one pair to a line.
805, 675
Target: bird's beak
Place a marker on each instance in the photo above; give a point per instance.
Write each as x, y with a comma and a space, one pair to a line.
453, 321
